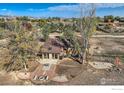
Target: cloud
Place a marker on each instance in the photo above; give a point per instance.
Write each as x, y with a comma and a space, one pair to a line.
107, 5
35, 10
64, 8
69, 10
76, 7
4, 9
30, 9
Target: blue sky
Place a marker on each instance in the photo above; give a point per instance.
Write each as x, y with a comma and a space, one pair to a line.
56, 9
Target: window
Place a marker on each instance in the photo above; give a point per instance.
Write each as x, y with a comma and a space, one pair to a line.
53, 56
41, 56
48, 55
45, 55
56, 56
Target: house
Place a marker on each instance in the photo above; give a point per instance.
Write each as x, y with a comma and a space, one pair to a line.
51, 52
121, 19
26, 26
50, 55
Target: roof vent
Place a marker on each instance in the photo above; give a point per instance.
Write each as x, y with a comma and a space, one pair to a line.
50, 48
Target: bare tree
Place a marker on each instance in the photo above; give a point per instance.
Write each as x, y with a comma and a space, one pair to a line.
87, 25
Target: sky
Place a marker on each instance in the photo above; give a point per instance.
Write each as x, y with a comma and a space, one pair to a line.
65, 10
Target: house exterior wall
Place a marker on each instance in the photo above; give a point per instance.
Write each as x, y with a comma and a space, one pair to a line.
50, 59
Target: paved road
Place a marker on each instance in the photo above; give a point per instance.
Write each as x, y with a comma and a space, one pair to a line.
108, 36
105, 36
94, 36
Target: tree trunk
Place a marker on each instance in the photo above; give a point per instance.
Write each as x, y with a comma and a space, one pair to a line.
25, 67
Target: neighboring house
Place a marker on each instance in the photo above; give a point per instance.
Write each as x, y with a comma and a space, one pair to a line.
121, 20
26, 26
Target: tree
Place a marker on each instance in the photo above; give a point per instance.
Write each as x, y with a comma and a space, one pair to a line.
87, 26
68, 33
42, 22
109, 18
24, 18
60, 27
22, 46
99, 19
70, 37
45, 31
117, 18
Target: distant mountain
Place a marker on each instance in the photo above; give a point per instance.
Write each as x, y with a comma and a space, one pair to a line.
4, 16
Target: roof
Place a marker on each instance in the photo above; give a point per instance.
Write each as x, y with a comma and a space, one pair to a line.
51, 46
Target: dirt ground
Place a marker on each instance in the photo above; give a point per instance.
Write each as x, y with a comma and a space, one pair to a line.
91, 76
9, 79
76, 76
101, 50
106, 49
